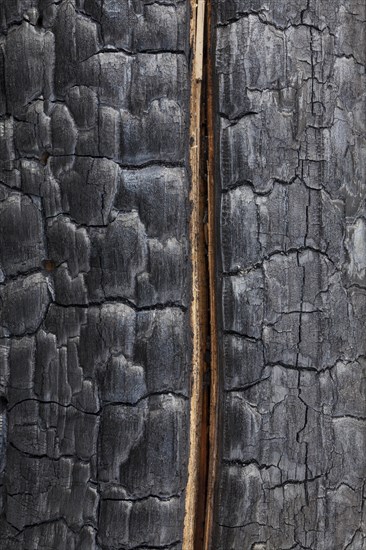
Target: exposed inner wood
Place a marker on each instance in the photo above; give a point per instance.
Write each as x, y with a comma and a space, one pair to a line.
194, 509
211, 247
202, 463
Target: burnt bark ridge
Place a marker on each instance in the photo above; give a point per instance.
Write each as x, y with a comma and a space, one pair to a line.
291, 143
95, 293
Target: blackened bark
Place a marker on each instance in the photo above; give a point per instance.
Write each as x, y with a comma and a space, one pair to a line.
291, 148
95, 273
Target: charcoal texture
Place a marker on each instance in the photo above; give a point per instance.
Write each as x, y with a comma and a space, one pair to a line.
95, 275
290, 161
95, 342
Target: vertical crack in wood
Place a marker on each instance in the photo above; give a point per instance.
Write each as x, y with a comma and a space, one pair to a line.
196, 485
212, 425
202, 457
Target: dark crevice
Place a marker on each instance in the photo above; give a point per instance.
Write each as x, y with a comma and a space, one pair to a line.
124, 301
207, 464
203, 467
143, 499
172, 546
44, 158
39, 22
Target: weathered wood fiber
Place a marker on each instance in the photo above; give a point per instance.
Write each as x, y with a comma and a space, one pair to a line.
95, 274
291, 164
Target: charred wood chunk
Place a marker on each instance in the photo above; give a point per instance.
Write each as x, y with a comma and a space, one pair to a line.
95, 277
290, 82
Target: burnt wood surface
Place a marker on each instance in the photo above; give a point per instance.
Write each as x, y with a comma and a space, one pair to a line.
95, 342
96, 283
291, 164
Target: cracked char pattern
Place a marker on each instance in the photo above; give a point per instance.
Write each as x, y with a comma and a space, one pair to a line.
94, 274
291, 141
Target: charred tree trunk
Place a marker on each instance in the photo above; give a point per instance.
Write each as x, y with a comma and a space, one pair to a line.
118, 144
95, 290
291, 155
